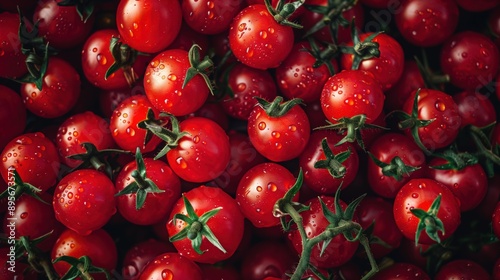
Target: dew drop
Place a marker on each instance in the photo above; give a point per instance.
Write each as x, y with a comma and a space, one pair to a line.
70, 195
171, 77
181, 162
414, 195
262, 125
102, 59
272, 187
440, 106
275, 134
241, 87
167, 274
24, 215
196, 139
259, 188
242, 26
292, 128
263, 34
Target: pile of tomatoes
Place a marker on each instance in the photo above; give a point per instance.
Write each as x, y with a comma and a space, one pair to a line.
213, 139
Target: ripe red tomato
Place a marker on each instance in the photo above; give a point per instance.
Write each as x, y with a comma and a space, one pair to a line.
350, 93
12, 115
470, 59
139, 255
35, 159
462, 269
12, 63
99, 246
421, 194
226, 225
210, 17
424, 23
475, 108
61, 26
401, 271
278, 136
257, 40
410, 80
339, 251
171, 266
164, 84
60, 90
156, 205
84, 200
259, 189
142, 25
387, 68
82, 128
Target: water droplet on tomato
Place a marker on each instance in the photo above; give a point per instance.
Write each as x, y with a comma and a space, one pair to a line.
349, 101
249, 52
24, 215
440, 106
70, 195
171, 77
94, 50
196, 139
272, 187
263, 34
414, 195
275, 134
464, 55
101, 59
292, 128
167, 274
242, 26
181, 162
262, 125
241, 86
135, 25
259, 188
278, 146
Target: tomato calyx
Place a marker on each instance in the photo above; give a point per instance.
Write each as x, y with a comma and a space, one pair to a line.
81, 267
455, 160
361, 50
323, 56
341, 222
396, 168
142, 185
28, 250
277, 107
488, 155
19, 188
155, 127
196, 227
332, 16
201, 67
352, 127
412, 122
333, 163
429, 221
283, 11
124, 57
84, 8
100, 160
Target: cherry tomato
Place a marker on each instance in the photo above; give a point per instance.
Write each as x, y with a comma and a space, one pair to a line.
142, 25
84, 200
210, 17
470, 103
139, 255
410, 80
12, 63
462, 269
403, 271
12, 115
171, 266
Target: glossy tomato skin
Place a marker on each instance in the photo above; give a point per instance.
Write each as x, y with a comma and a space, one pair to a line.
123, 124
97, 58
387, 68
171, 266
35, 159
157, 205
227, 225
257, 40
82, 128
60, 90
267, 258
461, 269
319, 179
110, 99
350, 93
62, 27
297, 78
163, 83
142, 25
437, 105
99, 246
339, 251
401, 271
210, 17
245, 83
475, 108
84, 200
259, 189
424, 23
469, 184
385, 148
470, 59
411, 79
12, 63
279, 138
139, 255
201, 155
377, 212
419, 194
12, 115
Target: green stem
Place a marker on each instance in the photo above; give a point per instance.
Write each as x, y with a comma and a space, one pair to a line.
97, 163
141, 183
363, 240
48, 269
85, 275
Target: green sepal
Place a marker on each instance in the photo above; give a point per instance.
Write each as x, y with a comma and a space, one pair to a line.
332, 162
199, 67
79, 267
141, 185
22, 188
429, 221
279, 207
283, 11
196, 227
277, 107
396, 168
487, 154
455, 160
361, 50
323, 57
84, 8
324, 245
352, 126
100, 160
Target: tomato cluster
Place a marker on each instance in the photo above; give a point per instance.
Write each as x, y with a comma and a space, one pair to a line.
250, 139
